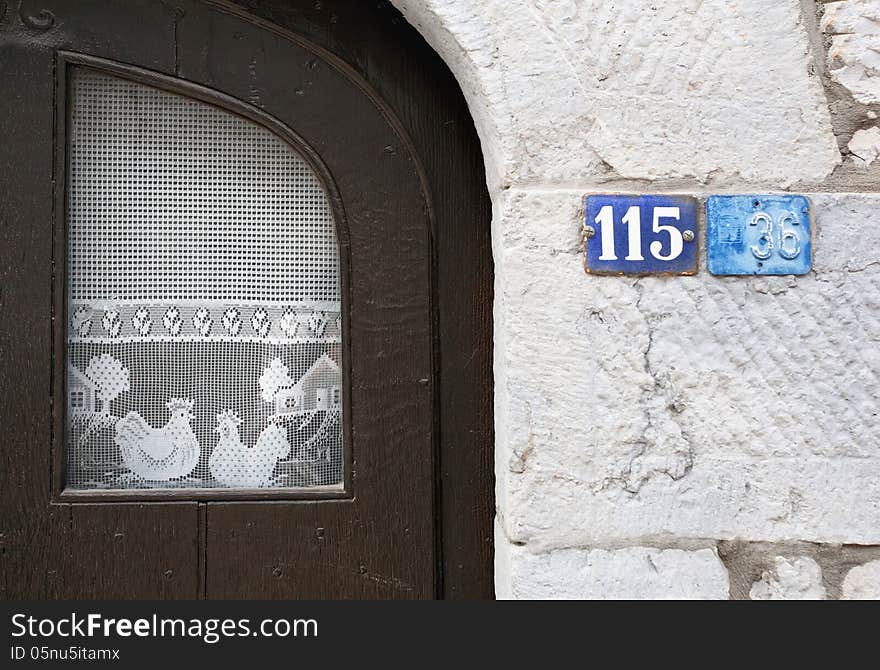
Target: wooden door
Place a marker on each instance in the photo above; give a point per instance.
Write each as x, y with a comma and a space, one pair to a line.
365, 115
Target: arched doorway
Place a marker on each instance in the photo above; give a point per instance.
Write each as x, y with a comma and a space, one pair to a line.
268, 327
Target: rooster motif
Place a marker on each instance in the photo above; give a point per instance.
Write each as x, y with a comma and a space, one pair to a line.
236, 465
159, 454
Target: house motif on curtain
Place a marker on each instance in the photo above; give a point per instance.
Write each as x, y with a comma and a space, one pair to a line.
81, 393
320, 388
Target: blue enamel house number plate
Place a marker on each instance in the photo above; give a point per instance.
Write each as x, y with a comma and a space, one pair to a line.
640, 234
758, 235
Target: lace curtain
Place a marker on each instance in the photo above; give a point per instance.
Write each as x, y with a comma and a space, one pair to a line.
204, 333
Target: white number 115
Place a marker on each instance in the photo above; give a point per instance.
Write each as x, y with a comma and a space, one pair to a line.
633, 221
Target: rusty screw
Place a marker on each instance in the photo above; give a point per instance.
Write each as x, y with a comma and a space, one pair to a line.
589, 231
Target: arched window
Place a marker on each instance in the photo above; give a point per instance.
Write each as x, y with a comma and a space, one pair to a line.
204, 336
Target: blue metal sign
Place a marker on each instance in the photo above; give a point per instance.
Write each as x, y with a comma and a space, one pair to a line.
758, 235
640, 234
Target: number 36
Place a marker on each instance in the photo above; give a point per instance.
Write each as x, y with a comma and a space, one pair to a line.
789, 242
633, 221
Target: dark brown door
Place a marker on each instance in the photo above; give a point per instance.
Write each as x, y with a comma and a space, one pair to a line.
246, 289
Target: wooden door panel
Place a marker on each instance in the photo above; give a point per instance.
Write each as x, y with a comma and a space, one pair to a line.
318, 551
106, 28
84, 552
51, 550
119, 552
405, 176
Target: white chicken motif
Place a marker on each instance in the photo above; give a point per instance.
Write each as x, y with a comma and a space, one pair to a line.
236, 465
159, 454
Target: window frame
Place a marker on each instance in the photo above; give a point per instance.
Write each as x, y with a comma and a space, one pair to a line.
65, 62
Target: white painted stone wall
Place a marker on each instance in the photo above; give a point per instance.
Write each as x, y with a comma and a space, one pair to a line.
796, 579
863, 582
854, 54
641, 421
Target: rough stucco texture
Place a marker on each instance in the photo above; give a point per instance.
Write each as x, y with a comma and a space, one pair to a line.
664, 412
621, 574
696, 407
572, 89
